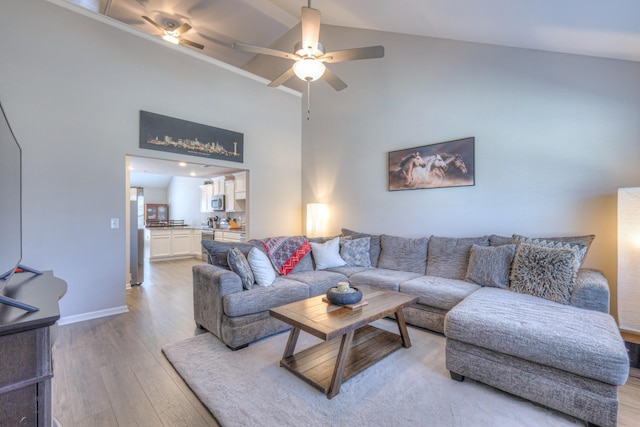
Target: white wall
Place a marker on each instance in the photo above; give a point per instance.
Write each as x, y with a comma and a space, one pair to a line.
184, 199
72, 87
155, 195
556, 135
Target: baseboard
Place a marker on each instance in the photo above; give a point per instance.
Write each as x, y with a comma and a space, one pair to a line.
67, 320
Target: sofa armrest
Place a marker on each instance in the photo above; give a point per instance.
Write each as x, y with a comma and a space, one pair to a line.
210, 284
591, 291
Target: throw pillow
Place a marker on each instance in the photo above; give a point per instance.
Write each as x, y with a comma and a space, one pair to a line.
545, 271
218, 251
449, 256
239, 265
261, 267
403, 254
327, 254
561, 243
490, 266
374, 244
355, 252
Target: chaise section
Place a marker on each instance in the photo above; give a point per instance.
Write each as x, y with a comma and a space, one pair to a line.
560, 356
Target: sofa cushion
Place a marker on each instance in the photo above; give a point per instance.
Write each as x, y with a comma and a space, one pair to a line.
355, 252
261, 298
495, 240
318, 282
239, 265
545, 271
261, 267
403, 254
217, 251
348, 270
374, 244
448, 257
382, 278
327, 254
584, 342
490, 265
438, 292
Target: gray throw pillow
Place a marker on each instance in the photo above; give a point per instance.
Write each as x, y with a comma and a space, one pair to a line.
239, 265
490, 265
495, 240
403, 254
449, 257
545, 271
561, 243
217, 251
374, 244
355, 252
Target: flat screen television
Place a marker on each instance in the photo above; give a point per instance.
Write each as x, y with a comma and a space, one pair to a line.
10, 213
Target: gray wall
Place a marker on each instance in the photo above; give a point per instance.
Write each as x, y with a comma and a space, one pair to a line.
72, 88
556, 135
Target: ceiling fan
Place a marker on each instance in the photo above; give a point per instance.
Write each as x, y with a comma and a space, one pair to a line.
173, 33
309, 54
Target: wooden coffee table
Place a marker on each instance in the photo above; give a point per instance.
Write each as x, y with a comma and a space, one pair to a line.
350, 344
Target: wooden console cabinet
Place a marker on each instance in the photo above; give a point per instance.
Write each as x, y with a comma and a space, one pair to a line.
26, 367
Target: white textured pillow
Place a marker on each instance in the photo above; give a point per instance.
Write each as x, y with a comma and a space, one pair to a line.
261, 267
327, 254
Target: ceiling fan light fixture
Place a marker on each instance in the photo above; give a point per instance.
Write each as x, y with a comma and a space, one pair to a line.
309, 69
171, 39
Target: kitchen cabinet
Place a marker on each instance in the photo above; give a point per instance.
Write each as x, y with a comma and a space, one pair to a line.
167, 243
156, 212
230, 236
218, 185
206, 191
240, 185
196, 242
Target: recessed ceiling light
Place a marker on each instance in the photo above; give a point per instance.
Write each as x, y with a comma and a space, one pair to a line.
192, 174
183, 164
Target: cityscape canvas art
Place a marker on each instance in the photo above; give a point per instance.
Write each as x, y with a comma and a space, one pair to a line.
158, 132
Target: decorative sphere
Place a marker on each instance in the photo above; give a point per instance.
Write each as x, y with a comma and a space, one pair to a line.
344, 298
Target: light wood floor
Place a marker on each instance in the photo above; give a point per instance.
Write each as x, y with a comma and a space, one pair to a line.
111, 372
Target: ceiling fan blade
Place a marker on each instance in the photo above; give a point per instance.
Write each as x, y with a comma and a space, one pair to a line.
282, 78
264, 51
354, 54
310, 28
190, 43
335, 81
182, 29
154, 23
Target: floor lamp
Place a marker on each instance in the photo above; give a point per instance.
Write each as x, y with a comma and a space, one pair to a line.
317, 216
629, 268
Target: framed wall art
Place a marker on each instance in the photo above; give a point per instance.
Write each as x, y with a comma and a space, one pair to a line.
445, 164
162, 133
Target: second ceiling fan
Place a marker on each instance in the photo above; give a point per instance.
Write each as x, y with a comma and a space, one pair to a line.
309, 54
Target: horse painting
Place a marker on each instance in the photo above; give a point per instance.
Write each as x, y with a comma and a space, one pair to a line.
440, 165
457, 161
408, 174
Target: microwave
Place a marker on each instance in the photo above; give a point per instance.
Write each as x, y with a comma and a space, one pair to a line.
217, 202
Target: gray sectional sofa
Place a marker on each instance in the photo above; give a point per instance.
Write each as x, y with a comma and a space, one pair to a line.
519, 314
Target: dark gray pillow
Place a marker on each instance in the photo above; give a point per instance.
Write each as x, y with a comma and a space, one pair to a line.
374, 244
239, 265
495, 240
355, 252
545, 271
403, 254
449, 256
490, 265
218, 251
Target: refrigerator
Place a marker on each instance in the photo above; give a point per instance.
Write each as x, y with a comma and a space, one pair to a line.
136, 230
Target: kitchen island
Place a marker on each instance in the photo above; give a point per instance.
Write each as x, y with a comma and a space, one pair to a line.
172, 242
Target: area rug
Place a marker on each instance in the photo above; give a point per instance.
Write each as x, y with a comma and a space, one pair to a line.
410, 387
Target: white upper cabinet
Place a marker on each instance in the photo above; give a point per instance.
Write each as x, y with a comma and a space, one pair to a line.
240, 185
